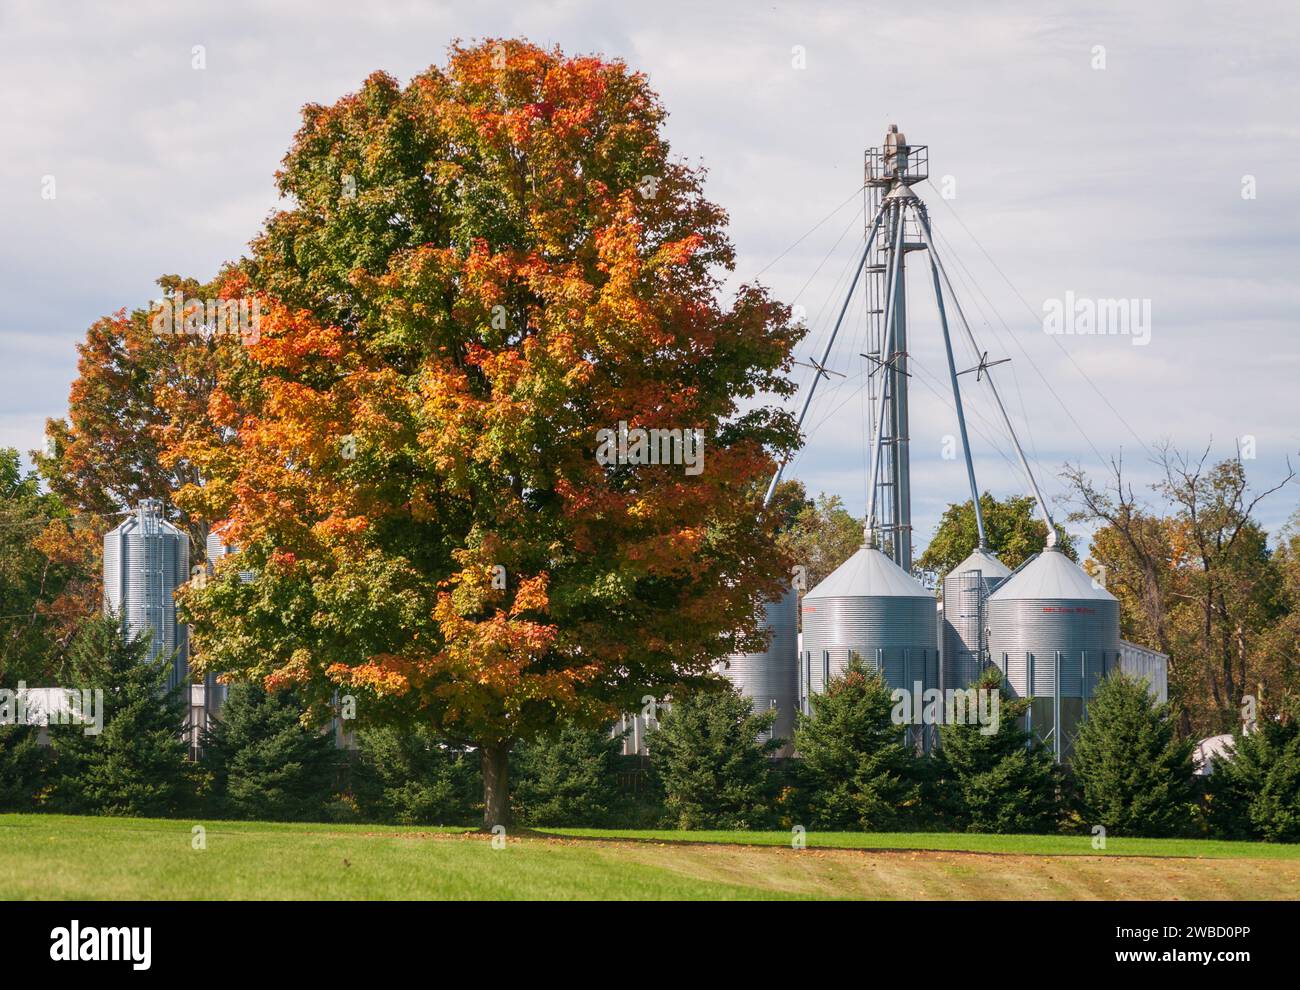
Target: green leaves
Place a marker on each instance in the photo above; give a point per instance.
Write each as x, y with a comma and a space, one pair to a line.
1254, 789
21, 767
1011, 525
411, 777
136, 765
48, 576
857, 771
1132, 773
711, 761
999, 782
567, 778
265, 762
822, 536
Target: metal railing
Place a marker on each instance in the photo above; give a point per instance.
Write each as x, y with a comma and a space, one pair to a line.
909, 164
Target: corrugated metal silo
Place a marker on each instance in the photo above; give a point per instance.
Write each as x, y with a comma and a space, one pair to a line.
1146, 664
218, 549
146, 559
966, 589
771, 679
1054, 632
870, 606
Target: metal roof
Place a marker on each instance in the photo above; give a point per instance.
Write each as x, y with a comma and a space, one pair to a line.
869, 574
1051, 575
137, 522
985, 562
1209, 750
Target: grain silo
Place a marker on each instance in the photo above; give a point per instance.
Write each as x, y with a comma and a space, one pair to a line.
1146, 664
215, 693
146, 559
966, 590
1054, 633
771, 679
218, 549
872, 607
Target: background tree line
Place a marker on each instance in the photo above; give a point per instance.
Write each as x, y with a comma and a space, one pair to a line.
709, 766
1197, 579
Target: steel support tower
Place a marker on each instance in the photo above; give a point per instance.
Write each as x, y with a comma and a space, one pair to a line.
897, 223
888, 173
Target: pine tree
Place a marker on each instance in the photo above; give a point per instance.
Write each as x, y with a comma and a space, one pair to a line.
21, 763
710, 762
1275, 812
1002, 781
137, 765
1254, 792
1132, 773
856, 771
414, 778
265, 763
569, 778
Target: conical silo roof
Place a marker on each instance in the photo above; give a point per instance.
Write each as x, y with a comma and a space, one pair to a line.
983, 561
1051, 575
869, 574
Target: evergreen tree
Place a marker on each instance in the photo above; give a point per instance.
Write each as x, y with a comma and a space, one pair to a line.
265, 763
1132, 773
1001, 781
857, 771
21, 763
1254, 792
1275, 812
569, 778
710, 762
137, 765
413, 778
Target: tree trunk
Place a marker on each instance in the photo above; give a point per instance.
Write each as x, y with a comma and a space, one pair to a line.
495, 759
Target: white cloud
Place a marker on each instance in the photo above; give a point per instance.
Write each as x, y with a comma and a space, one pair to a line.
1122, 182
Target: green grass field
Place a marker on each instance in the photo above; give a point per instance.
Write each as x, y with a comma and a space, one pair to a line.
1039, 845
61, 857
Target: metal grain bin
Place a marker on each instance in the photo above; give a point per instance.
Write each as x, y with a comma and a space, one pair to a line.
146, 559
870, 606
1054, 633
1146, 664
218, 549
771, 679
966, 590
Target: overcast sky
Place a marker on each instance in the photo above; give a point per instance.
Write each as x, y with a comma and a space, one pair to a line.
1100, 149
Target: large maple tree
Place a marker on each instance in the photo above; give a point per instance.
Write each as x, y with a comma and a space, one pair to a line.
476, 273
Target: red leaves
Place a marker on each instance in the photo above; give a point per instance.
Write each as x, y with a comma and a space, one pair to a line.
679, 252
293, 341
283, 560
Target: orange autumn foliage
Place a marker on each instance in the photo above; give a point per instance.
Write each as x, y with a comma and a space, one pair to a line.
410, 465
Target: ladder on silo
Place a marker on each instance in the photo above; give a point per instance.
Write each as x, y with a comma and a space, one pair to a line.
886, 374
